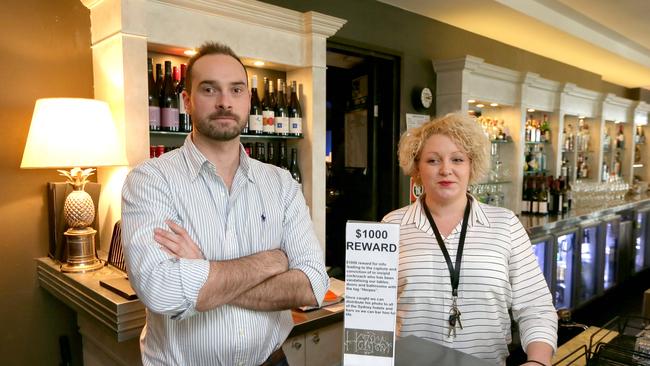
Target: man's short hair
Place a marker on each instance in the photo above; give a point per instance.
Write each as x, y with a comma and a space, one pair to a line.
210, 48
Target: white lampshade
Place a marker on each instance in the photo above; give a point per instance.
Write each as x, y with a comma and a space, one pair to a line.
72, 132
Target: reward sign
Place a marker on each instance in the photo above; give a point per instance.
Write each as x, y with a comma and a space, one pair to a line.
372, 256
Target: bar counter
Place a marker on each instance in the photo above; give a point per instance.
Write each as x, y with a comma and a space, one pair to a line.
538, 225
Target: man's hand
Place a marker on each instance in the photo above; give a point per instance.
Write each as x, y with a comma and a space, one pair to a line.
177, 242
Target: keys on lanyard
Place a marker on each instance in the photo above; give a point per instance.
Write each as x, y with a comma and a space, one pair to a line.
454, 318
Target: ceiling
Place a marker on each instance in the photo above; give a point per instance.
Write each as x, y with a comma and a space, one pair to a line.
607, 37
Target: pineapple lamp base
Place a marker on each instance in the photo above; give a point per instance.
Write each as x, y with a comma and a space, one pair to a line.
80, 247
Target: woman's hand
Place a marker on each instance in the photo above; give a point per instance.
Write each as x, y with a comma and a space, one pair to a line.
177, 242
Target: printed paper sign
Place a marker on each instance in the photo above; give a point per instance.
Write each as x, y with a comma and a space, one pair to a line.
416, 120
372, 256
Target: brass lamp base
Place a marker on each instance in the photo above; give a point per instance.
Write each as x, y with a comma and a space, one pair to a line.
81, 251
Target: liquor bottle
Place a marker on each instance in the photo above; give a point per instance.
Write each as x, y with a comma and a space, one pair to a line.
620, 138
546, 129
282, 157
281, 118
255, 119
295, 112
294, 169
563, 205
169, 102
584, 168
154, 99
270, 154
607, 140
605, 174
528, 129
537, 130
184, 120
616, 169
268, 108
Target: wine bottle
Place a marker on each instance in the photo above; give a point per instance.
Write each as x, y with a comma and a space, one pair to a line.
525, 201
295, 112
542, 197
184, 120
294, 169
281, 116
154, 99
248, 148
270, 154
176, 75
534, 197
260, 152
282, 156
169, 102
255, 118
159, 80
268, 108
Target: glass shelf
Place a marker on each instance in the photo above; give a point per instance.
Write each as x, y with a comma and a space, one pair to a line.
246, 136
534, 172
538, 143
501, 141
493, 182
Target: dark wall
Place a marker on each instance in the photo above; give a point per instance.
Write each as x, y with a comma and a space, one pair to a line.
45, 52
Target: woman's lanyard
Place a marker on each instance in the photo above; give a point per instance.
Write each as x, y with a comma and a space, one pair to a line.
454, 272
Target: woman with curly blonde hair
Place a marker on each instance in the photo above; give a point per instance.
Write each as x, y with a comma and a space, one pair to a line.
463, 264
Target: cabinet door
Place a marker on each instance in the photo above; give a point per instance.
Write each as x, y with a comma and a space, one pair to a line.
324, 346
294, 349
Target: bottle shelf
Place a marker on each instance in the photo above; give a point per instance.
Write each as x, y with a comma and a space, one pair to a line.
508, 141
246, 136
537, 143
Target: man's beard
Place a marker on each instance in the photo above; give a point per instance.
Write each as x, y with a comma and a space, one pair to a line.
211, 130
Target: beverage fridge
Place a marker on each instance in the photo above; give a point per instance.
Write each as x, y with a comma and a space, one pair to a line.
588, 265
543, 249
611, 249
564, 265
641, 248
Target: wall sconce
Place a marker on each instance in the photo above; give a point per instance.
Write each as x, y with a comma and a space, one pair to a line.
74, 132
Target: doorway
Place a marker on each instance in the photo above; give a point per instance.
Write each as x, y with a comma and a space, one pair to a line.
362, 136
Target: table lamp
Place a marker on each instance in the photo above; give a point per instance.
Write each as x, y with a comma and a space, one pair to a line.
74, 132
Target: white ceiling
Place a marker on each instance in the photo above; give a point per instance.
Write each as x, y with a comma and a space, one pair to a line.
607, 37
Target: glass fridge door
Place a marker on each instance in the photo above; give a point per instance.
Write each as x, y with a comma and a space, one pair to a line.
564, 257
588, 263
640, 240
541, 248
611, 252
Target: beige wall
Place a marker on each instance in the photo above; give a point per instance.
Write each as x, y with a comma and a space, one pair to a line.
44, 48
